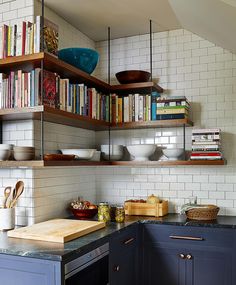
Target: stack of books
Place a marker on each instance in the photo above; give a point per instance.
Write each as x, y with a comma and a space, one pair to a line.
25, 38
22, 89
206, 144
176, 107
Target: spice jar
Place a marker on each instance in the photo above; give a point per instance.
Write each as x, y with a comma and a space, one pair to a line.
104, 212
120, 214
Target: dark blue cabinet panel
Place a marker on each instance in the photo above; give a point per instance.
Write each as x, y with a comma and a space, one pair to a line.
211, 266
28, 271
185, 261
162, 266
124, 257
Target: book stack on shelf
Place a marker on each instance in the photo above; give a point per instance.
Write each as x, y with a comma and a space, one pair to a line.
206, 144
133, 108
22, 89
24, 38
176, 107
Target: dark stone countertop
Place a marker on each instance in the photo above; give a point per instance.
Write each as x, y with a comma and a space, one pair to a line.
69, 250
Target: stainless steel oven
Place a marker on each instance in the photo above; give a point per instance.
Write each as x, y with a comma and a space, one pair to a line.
90, 268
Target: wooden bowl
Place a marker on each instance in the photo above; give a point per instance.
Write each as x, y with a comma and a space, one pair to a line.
133, 76
84, 214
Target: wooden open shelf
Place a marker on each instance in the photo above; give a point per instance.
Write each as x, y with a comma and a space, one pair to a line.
54, 116
70, 119
27, 62
152, 124
77, 163
42, 163
169, 162
142, 88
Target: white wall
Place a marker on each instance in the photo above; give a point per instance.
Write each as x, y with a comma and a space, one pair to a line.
69, 36
47, 191
185, 64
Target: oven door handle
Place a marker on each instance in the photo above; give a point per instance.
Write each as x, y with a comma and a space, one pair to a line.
78, 269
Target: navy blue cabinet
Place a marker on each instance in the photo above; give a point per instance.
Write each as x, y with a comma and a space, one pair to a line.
187, 255
29, 271
124, 257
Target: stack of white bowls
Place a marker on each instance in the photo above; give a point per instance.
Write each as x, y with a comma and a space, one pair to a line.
116, 151
24, 152
5, 151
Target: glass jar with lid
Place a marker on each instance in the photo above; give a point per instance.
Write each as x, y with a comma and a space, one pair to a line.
104, 212
120, 214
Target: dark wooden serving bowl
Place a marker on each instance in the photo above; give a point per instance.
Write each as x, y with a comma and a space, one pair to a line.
83, 214
133, 76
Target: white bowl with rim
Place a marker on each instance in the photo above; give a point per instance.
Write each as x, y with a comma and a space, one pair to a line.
141, 152
80, 153
173, 153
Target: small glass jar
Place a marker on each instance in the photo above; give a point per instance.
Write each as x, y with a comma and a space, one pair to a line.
120, 214
104, 212
113, 212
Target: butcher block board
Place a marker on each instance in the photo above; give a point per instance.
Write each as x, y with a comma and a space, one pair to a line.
57, 230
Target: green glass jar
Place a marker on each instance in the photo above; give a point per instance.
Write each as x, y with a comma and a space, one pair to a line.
104, 212
120, 214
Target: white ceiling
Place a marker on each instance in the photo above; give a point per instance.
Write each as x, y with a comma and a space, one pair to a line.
214, 20
125, 17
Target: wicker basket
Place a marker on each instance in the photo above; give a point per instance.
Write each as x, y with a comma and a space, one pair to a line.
205, 214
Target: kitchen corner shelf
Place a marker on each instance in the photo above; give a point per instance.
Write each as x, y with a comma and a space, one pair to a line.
142, 87
152, 124
169, 162
54, 116
28, 62
78, 163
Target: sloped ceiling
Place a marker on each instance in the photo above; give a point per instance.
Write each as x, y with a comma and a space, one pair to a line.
214, 20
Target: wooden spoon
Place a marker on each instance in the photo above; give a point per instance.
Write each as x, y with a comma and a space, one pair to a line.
7, 192
18, 191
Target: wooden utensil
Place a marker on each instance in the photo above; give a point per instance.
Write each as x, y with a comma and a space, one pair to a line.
17, 192
7, 192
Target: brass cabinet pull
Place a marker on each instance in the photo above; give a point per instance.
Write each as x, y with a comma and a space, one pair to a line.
186, 237
116, 268
128, 241
182, 256
189, 256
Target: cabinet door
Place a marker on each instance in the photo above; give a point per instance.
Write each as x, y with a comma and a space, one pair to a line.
28, 271
123, 257
211, 266
163, 266
122, 269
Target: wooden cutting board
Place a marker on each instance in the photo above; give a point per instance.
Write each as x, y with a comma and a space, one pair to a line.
58, 230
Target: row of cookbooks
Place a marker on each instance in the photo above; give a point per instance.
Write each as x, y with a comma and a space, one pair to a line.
137, 107
23, 89
25, 38
206, 144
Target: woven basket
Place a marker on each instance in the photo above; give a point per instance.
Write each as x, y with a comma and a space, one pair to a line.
205, 214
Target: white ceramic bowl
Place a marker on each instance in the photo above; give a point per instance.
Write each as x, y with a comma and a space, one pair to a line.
116, 152
21, 155
80, 153
24, 148
141, 152
173, 153
5, 154
6, 146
